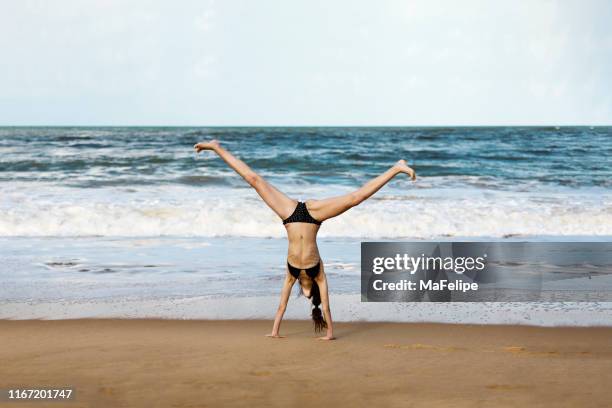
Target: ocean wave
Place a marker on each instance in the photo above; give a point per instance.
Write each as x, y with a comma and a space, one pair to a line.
189, 211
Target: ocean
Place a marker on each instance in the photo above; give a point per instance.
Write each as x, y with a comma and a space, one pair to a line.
93, 218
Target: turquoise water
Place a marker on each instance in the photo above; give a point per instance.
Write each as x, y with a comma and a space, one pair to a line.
501, 157
149, 182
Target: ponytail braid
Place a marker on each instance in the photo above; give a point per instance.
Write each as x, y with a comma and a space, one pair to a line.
317, 315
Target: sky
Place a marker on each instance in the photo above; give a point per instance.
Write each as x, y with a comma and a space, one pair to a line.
305, 62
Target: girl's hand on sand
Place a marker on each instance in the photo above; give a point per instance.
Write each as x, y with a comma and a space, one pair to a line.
211, 145
326, 338
275, 336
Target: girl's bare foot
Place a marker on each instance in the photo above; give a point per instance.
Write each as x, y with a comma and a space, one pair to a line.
326, 338
403, 167
275, 336
211, 145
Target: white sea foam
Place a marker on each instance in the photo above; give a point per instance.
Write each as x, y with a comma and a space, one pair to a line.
347, 308
187, 211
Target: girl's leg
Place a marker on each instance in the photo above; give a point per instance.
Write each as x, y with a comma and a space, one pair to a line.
328, 208
285, 293
282, 205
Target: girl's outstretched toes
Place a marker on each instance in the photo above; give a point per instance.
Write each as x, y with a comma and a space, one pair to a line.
210, 145
403, 167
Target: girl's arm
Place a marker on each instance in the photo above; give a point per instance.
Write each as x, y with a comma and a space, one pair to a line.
322, 282
280, 312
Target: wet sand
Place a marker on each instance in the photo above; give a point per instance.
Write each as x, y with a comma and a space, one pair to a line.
173, 363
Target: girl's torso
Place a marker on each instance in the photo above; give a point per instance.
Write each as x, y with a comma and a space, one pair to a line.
302, 231
302, 251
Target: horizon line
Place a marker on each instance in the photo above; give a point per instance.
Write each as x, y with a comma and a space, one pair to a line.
313, 126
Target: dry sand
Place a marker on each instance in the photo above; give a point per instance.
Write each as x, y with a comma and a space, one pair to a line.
171, 363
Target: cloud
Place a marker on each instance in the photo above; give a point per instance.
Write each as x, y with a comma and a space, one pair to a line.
306, 63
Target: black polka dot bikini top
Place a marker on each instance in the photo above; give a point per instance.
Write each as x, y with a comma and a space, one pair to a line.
301, 214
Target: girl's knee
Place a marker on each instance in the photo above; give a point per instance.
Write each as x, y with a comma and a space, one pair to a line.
355, 199
253, 179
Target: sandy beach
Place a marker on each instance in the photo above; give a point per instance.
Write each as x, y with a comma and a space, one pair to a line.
172, 363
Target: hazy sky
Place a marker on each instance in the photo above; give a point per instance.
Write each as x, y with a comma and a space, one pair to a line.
260, 62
